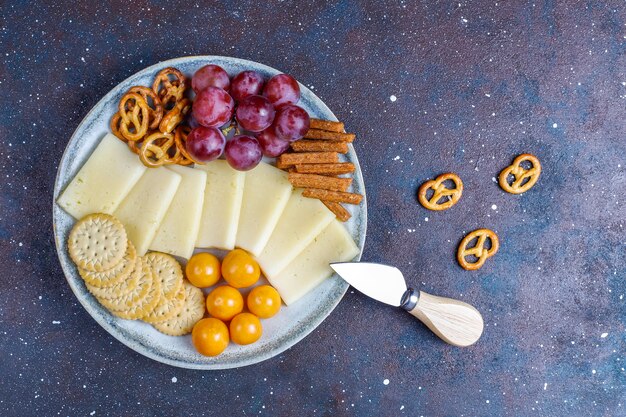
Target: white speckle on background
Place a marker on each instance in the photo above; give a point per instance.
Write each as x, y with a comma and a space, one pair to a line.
494, 179
487, 95
174, 379
56, 322
603, 335
554, 125
425, 219
396, 158
401, 407
494, 207
593, 371
386, 382
393, 98
545, 386
93, 413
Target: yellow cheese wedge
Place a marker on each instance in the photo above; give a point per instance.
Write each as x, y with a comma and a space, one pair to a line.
222, 204
265, 196
103, 182
145, 206
179, 229
302, 220
311, 266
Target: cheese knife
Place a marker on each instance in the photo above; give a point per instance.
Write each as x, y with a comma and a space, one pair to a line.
454, 321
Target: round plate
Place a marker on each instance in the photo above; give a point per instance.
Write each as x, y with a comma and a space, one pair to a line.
280, 332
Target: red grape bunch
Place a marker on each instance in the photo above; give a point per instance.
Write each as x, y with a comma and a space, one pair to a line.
264, 114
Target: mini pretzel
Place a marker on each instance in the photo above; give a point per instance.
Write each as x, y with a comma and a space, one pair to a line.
175, 116
115, 126
169, 85
133, 111
155, 149
520, 174
479, 251
155, 111
452, 195
180, 138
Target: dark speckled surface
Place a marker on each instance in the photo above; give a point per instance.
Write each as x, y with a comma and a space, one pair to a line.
475, 83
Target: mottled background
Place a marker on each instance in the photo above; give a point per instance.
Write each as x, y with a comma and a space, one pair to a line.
428, 87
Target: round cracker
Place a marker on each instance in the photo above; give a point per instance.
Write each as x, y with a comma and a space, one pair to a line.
146, 304
97, 242
134, 297
114, 276
166, 309
193, 310
120, 289
168, 272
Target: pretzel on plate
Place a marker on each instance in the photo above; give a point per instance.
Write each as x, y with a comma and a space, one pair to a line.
156, 150
155, 108
169, 85
175, 116
180, 139
134, 116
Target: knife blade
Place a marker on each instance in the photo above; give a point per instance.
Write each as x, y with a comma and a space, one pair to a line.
454, 321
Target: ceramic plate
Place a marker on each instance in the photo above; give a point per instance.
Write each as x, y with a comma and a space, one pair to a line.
282, 331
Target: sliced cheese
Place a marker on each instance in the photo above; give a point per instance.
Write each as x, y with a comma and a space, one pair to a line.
311, 266
103, 182
145, 206
222, 204
302, 220
265, 196
179, 229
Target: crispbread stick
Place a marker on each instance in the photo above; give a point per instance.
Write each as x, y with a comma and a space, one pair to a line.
321, 182
326, 169
319, 146
288, 159
327, 125
340, 212
334, 196
325, 135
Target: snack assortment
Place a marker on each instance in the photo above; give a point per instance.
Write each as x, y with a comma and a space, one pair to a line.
435, 195
157, 186
314, 164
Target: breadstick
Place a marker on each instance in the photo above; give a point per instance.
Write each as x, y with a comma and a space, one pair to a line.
340, 212
325, 135
327, 125
335, 196
321, 182
288, 159
326, 169
319, 146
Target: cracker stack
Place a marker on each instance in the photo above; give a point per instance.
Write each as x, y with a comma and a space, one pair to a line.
150, 287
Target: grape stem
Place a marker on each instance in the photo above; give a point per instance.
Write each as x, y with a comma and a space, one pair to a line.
233, 125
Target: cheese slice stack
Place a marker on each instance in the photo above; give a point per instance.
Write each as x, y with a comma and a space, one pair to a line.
222, 205
102, 183
301, 221
265, 195
145, 206
177, 232
311, 266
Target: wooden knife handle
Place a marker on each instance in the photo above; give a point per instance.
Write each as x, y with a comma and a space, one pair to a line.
454, 321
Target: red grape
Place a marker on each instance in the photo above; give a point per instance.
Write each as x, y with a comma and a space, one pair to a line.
246, 83
205, 144
213, 107
243, 152
291, 123
255, 113
271, 144
210, 76
281, 90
